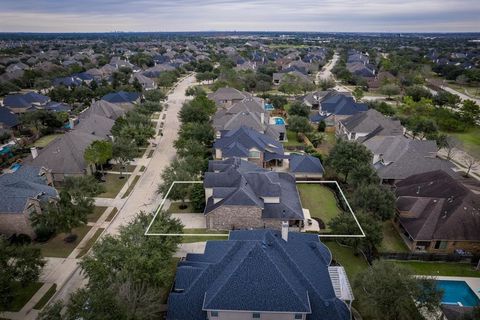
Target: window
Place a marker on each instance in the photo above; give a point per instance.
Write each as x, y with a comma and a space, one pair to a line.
256, 316
254, 154
213, 314
298, 316
441, 244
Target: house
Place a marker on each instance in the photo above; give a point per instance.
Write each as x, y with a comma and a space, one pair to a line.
226, 97
122, 98
146, 82
305, 166
21, 103
58, 107
250, 145
336, 107
437, 213
241, 195
8, 119
261, 274
22, 193
104, 109
364, 125
249, 112
279, 77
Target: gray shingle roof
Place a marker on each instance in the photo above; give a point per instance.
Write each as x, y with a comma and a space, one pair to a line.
373, 121
305, 164
243, 184
20, 186
257, 270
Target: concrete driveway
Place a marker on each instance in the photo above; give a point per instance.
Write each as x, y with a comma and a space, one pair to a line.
191, 220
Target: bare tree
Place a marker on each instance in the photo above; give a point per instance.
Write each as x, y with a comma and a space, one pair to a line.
470, 163
450, 146
142, 300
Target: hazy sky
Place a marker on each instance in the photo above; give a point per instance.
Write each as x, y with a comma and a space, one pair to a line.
240, 15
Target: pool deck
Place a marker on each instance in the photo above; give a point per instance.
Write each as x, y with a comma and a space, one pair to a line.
473, 283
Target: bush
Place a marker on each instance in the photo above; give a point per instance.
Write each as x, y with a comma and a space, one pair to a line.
43, 233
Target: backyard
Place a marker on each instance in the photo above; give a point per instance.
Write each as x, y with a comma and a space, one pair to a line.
320, 200
45, 140
392, 242
292, 140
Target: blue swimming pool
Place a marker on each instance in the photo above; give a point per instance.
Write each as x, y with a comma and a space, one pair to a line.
269, 107
279, 121
15, 167
455, 292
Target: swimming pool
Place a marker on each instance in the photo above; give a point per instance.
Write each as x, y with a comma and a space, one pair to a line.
15, 167
279, 121
455, 292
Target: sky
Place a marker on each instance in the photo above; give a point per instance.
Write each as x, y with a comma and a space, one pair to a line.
240, 15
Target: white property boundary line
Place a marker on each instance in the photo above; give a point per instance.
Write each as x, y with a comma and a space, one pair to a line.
148, 233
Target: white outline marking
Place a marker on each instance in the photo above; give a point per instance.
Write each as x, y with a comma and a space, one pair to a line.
147, 232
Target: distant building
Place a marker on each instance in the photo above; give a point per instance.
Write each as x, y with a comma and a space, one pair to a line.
21, 103
261, 274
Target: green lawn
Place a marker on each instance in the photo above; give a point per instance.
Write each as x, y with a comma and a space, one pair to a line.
45, 140
113, 184
292, 140
120, 168
41, 303
95, 215
470, 141
327, 144
320, 200
189, 239
130, 187
440, 268
56, 247
392, 242
90, 243
344, 256
175, 208
21, 295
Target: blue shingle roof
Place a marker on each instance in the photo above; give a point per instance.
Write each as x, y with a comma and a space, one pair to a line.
8, 119
24, 100
257, 270
121, 97
342, 105
305, 163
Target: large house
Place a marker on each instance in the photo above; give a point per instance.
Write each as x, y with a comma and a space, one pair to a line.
226, 97
8, 120
248, 112
397, 157
364, 125
21, 103
250, 145
437, 213
305, 166
21, 196
334, 107
241, 195
261, 274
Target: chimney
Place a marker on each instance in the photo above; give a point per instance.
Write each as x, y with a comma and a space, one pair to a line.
262, 117
285, 230
34, 152
71, 122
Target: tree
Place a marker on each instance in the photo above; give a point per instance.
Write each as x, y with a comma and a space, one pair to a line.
98, 153
450, 146
292, 84
299, 124
422, 125
358, 93
470, 112
18, 264
64, 215
417, 93
316, 138
124, 151
177, 172
192, 113
345, 156
321, 126
155, 95
326, 84
445, 98
299, 109
344, 223
363, 174
128, 273
382, 107
374, 199
470, 163
82, 187
197, 197
391, 292
167, 79
390, 90
200, 132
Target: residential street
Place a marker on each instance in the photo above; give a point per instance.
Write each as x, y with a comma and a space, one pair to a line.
326, 72
143, 196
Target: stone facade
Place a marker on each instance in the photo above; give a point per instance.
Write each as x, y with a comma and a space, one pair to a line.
239, 217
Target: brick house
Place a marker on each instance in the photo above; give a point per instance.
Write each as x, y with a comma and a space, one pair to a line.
241, 195
21, 196
437, 213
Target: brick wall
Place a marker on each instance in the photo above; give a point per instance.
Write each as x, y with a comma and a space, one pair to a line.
239, 217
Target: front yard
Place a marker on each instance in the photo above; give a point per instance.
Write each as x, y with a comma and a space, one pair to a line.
56, 247
21, 295
320, 200
175, 208
113, 184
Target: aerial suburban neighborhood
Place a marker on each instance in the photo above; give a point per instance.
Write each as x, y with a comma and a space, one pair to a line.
237, 175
